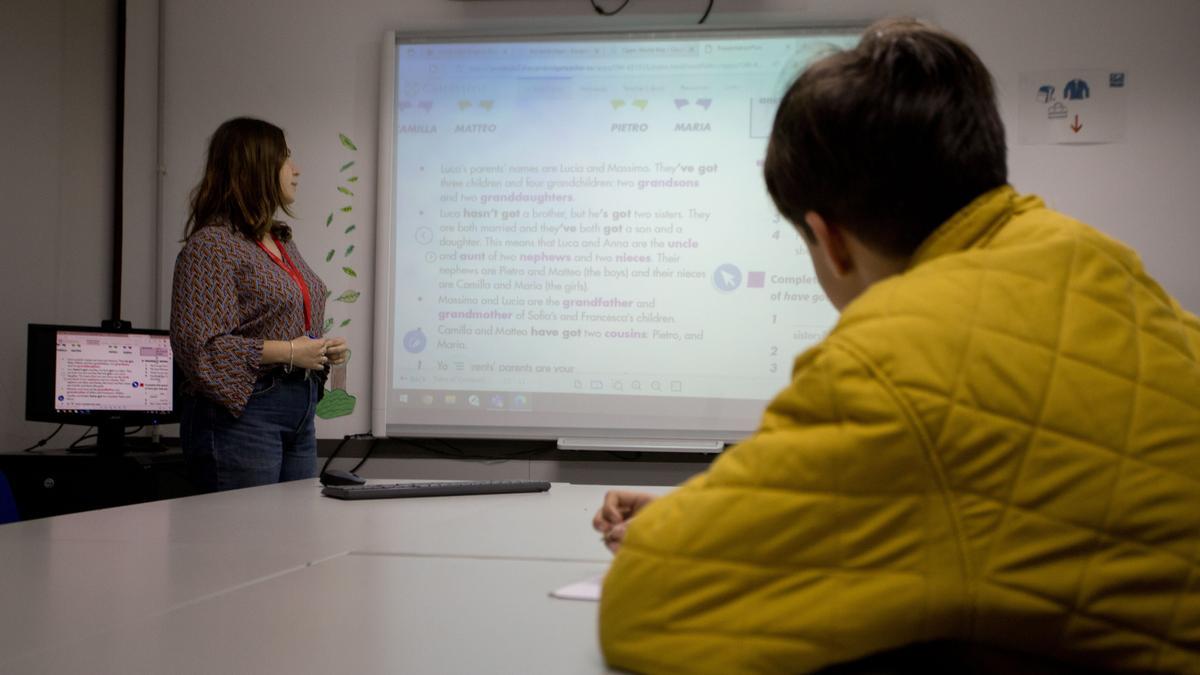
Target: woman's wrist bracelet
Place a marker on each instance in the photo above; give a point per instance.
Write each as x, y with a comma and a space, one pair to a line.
291, 354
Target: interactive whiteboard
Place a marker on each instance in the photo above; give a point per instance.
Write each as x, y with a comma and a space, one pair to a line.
575, 240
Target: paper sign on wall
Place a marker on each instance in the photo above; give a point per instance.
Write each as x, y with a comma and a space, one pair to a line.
1071, 106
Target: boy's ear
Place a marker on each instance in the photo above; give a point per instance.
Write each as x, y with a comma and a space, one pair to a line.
831, 242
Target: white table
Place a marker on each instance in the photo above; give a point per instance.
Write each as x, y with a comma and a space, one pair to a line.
279, 579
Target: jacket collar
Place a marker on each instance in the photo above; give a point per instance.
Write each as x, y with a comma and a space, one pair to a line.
974, 225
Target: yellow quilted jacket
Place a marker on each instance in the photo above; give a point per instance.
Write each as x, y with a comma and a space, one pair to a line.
1000, 446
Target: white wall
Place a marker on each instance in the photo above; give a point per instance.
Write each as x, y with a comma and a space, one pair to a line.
312, 67
56, 181
141, 243
316, 75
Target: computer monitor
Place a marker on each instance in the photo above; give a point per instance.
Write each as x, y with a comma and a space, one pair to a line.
103, 377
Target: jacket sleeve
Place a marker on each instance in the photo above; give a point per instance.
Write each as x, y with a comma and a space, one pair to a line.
220, 365
821, 538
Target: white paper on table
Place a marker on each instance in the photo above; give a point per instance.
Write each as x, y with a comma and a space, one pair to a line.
588, 589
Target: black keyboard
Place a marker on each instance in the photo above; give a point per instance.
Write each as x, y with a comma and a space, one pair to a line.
438, 489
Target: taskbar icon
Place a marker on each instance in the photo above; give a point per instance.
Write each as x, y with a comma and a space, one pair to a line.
490, 400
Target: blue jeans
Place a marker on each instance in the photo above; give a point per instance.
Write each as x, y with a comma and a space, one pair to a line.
274, 440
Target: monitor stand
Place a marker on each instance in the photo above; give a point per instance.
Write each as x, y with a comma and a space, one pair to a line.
110, 438
111, 441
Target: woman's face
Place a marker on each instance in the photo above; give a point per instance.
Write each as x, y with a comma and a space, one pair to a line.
288, 173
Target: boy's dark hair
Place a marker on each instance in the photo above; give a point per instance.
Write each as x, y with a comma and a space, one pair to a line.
888, 139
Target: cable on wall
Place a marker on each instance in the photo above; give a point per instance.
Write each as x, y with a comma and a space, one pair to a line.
45, 440
613, 12
608, 12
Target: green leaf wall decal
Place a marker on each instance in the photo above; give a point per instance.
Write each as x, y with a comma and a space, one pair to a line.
346, 209
352, 179
350, 229
344, 323
328, 325
345, 191
329, 220
347, 165
347, 142
329, 256
337, 403
348, 296
349, 250
350, 272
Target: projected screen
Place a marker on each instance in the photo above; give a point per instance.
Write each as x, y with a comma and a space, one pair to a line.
581, 243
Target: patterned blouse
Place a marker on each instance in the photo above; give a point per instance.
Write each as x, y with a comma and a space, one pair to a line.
227, 298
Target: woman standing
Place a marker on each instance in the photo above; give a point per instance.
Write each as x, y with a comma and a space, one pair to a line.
246, 319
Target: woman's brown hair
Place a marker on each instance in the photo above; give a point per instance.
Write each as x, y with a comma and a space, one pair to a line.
240, 187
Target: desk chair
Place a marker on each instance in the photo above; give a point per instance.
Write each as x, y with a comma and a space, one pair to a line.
8, 505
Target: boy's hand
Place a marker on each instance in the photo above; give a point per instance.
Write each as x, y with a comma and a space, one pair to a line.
614, 515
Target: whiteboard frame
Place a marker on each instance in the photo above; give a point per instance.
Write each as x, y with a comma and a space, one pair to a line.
385, 217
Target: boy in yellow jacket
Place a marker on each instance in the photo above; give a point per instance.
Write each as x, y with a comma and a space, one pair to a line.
997, 448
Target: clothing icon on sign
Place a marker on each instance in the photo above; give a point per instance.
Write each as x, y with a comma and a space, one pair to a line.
1045, 93
1076, 90
1057, 111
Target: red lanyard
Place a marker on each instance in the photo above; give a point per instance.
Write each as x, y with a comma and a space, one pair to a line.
293, 272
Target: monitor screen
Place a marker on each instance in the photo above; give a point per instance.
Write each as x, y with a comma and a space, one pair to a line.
100, 377
112, 371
